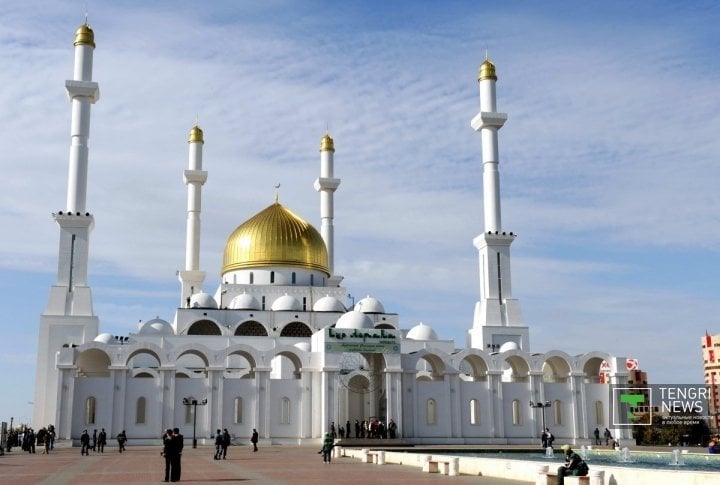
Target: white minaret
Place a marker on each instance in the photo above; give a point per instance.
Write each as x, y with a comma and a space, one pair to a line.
192, 278
327, 185
497, 319
68, 318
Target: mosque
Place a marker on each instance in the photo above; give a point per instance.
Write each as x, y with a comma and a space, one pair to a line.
274, 346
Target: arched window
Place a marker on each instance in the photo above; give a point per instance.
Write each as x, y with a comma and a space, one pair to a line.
474, 412
90, 410
238, 410
140, 411
516, 413
285, 411
252, 277
204, 327
293, 278
263, 303
557, 410
599, 415
312, 279
272, 276
431, 419
296, 329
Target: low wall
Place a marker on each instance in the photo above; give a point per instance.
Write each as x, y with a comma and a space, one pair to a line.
529, 470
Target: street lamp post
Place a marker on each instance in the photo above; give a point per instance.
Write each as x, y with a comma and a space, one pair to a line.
542, 406
194, 403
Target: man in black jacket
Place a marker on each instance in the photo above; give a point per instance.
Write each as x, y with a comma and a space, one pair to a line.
176, 467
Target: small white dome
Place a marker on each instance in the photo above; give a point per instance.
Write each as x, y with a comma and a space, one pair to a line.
508, 346
202, 300
421, 332
286, 303
156, 326
105, 338
354, 320
369, 305
244, 302
328, 304
304, 346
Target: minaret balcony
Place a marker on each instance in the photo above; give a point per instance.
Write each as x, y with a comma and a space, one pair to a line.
486, 119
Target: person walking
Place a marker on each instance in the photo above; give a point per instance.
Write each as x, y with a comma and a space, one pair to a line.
225, 442
218, 445
102, 440
327, 447
84, 443
121, 439
607, 436
596, 433
94, 440
178, 442
254, 439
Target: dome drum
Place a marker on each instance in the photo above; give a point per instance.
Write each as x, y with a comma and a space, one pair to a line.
276, 275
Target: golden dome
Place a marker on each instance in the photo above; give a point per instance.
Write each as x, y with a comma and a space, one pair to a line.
487, 71
327, 144
84, 35
196, 135
275, 237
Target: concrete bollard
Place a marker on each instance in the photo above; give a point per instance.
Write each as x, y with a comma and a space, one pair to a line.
380, 457
541, 475
366, 457
454, 467
597, 477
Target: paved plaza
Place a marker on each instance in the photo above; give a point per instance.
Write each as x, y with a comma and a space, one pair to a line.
278, 464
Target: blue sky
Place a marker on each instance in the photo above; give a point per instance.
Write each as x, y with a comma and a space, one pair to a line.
608, 162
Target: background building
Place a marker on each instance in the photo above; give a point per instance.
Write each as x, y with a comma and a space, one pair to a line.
711, 353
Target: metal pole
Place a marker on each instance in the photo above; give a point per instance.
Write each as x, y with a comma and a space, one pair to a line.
195, 403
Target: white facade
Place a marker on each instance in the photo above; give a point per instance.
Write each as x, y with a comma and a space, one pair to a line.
275, 347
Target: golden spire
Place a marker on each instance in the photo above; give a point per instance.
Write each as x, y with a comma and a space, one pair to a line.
196, 135
84, 35
487, 70
327, 144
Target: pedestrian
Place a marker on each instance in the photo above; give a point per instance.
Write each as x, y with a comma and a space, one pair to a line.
392, 429
347, 429
574, 465
607, 435
121, 439
549, 438
254, 439
176, 457
327, 447
333, 433
225, 442
51, 433
218, 445
596, 433
94, 440
84, 443
102, 440
167, 453
357, 428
